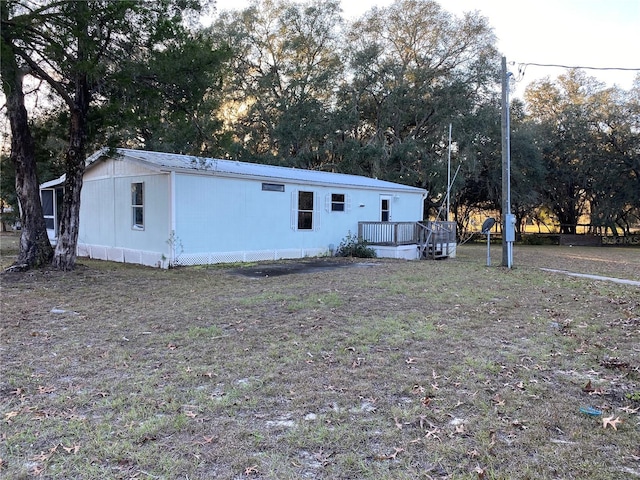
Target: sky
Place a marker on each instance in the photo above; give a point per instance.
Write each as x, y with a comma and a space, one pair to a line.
580, 33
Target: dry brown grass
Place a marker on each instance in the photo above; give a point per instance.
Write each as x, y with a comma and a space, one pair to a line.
375, 369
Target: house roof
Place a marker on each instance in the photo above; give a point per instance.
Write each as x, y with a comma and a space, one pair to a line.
199, 165
211, 166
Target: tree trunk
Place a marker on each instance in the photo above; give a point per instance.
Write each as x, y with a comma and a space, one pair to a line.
66, 248
35, 249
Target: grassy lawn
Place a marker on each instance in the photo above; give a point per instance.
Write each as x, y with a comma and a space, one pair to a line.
374, 369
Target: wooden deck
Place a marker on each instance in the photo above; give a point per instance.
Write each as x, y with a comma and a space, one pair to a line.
432, 239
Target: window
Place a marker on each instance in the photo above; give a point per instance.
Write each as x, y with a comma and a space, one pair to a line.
337, 202
384, 210
47, 208
305, 210
137, 206
273, 187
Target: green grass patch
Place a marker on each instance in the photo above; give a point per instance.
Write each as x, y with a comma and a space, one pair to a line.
378, 370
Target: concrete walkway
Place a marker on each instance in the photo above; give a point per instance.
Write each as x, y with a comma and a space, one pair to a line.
594, 277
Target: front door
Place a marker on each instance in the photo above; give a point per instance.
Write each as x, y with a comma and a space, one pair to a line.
385, 208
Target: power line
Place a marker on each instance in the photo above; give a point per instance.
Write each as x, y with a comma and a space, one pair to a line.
578, 67
522, 67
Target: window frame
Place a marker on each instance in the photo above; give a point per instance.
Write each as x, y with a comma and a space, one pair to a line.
335, 204
48, 207
137, 207
272, 187
385, 213
305, 215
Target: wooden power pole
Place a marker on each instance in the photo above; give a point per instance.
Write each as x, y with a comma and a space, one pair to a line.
508, 219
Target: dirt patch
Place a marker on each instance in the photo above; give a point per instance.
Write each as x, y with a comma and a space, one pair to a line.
289, 267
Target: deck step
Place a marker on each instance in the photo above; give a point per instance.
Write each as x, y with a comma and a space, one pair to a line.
427, 251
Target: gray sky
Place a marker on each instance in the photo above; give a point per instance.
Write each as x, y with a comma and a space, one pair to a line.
580, 33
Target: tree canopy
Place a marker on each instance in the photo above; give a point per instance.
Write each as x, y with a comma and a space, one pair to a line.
294, 83
89, 54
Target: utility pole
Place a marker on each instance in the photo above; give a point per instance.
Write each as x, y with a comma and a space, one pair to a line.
508, 219
449, 175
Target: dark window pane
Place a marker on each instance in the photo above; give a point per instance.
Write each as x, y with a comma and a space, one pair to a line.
138, 217
337, 202
305, 200
49, 223
136, 194
47, 202
305, 220
273, 187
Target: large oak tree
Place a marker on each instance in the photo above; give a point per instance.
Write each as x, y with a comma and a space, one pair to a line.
78, 49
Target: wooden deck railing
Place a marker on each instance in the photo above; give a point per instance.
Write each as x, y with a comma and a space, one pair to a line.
388, 233
407, 233
442, 232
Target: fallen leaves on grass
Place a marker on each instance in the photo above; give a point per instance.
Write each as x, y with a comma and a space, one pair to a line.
519, 424
417, 389
433, 433
357, 362
205, 440
9, 415
37, 470
482, 473
498, 401
614, 362
73, 449
253, 469
398, 423
392, 456
612, 422
628, 409
589, 388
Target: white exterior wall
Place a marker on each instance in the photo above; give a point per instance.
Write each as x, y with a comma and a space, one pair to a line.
106, 230
220, 219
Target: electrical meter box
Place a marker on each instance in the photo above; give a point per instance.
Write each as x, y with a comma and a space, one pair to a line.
510, 227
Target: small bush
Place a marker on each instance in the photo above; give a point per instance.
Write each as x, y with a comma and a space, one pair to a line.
352, 246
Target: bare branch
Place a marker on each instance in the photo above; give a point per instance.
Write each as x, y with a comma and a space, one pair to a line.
41, 73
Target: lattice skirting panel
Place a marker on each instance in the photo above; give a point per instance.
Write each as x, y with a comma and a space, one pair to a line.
246, 256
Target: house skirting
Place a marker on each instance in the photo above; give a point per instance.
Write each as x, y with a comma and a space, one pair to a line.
451, 249
248, 256
123, 255
160, 260
406, 252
